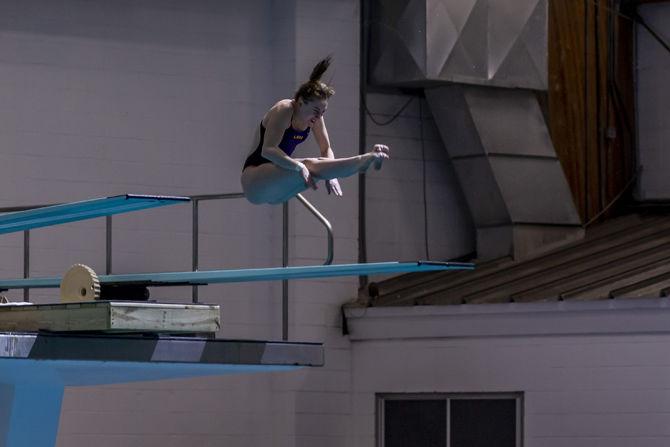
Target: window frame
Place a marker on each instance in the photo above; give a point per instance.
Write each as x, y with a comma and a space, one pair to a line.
381, 398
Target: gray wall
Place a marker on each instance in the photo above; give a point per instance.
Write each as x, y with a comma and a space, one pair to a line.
653, 104
100, 98
578, 391
147, 97
592, 373
396, 216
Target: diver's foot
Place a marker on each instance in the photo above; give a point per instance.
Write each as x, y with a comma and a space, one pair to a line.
381, 153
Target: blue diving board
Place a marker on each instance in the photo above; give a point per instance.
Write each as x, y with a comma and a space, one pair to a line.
87, 209
247, 275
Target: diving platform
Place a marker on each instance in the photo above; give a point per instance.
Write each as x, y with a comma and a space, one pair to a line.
104, 331
35, 368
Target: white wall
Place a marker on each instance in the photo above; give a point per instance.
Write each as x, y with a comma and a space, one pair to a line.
142, 97
653, 104
578, 391
394, 196
100, 98
320, 398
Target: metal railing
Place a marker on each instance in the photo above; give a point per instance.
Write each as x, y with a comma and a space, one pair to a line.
195, 202
329, 229
195, 232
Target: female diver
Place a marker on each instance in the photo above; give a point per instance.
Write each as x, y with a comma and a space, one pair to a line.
271, 175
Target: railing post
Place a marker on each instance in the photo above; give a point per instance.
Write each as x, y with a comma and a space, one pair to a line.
194, 289
284, 283
195, 200
26, 263
108, 245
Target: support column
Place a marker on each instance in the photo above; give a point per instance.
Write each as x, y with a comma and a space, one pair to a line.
29, 414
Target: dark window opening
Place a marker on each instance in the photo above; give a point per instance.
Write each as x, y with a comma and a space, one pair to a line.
477, 420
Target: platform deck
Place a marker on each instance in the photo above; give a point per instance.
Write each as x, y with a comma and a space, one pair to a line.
35, 369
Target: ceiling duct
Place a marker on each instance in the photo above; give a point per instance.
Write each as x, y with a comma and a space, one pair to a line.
499, 43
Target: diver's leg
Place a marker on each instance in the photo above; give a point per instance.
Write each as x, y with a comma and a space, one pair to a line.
329, 168
268, 183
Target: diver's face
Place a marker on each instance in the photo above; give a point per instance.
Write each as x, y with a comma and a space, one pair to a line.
310, 111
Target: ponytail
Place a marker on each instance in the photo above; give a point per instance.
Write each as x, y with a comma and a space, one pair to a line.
314, 88
320, 69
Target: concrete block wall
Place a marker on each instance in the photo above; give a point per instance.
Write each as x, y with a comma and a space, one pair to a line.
585, 391
321, 396
144, 97
653, 99
396, 224
149, 96
100, 98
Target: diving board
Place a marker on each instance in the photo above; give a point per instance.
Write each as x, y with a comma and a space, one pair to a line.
247, 275
87, 209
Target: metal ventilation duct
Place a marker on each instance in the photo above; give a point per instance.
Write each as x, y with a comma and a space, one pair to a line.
485, 42
507, 167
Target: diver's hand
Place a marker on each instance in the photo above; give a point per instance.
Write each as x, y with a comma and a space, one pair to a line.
333, 186
306, 175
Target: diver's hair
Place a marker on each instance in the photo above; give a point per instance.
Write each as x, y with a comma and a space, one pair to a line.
314, 88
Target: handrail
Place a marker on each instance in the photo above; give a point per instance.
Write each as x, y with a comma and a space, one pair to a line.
196, 199
238, 195
329, 229
324, 221
230, 195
